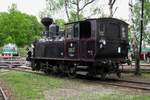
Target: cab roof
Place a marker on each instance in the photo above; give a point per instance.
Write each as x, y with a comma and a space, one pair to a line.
105, 18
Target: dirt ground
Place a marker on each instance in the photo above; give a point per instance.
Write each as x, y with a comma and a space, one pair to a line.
75, 90
81, 87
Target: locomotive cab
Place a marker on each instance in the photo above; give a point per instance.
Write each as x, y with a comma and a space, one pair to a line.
112, 38
96, 39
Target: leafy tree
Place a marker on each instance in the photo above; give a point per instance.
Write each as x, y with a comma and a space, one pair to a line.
79, 5
136, 26
75, 17
52, 6
9, 40
60, 22
136, 19
73, 8
18, 27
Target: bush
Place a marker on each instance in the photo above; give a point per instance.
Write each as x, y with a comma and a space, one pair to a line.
22, 51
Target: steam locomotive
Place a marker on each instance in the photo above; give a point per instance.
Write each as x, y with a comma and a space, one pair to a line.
90, 47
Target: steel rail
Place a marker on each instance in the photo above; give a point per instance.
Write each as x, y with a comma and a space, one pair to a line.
114, 82
131, 81
133, 86
4, 97
141, 85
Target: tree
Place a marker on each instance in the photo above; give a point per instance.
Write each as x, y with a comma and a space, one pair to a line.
71, 7
18, 27
111, 4
52, 6
136, 21
66, 2
137, 28
79, 6
60, 23
75, 17
133, 38
97, 12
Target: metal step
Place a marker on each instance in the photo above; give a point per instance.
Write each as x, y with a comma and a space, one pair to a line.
81, 72
82, 67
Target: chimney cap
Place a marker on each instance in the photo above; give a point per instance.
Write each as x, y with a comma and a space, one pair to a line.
46, 21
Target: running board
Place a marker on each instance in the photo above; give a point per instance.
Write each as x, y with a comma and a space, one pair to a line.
82, 67
81, 72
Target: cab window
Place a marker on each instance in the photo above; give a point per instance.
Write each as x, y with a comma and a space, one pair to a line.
85, 29
76, 30
101, 29
69, 31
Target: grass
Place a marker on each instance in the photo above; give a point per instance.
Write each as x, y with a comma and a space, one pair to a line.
29, 86
146, 75
107, 97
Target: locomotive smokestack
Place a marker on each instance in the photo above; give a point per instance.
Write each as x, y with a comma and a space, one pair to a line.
46, 22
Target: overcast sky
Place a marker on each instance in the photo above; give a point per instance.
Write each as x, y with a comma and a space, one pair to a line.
28, 6
35, 6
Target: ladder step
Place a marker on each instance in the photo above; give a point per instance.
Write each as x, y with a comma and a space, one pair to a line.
82, 67
81, 72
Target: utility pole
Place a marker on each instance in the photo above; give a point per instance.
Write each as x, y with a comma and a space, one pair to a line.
138, 72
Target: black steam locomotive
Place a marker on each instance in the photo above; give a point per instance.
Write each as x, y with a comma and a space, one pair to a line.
90, 47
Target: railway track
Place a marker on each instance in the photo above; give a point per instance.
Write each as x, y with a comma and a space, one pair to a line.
123, 83
2, 95
128, 84
113, 82
23, 69
133, 71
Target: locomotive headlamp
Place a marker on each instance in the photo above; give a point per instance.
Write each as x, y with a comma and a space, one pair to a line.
123, 32
71, 44
102, 43
32, 46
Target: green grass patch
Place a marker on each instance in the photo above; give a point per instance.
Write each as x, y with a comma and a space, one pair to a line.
28, 86
146, 75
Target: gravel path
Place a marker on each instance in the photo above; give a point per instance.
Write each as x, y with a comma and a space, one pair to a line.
74, 92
